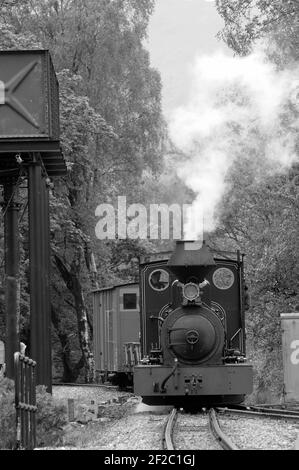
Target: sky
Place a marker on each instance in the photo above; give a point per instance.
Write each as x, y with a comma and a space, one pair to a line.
179, 31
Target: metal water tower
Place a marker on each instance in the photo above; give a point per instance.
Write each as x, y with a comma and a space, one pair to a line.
29, 150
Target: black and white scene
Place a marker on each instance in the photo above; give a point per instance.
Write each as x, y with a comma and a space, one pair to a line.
149, 235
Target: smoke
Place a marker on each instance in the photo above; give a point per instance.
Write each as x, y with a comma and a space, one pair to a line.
239, 105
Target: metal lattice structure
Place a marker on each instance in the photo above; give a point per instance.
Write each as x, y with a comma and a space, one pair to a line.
25, 401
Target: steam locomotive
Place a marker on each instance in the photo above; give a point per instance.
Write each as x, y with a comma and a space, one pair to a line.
185, 345
193, 329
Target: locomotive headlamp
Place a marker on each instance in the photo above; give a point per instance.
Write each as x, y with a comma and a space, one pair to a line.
191, 291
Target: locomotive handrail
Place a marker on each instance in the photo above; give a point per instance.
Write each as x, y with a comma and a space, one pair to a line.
163, 389
238, 333
152, 317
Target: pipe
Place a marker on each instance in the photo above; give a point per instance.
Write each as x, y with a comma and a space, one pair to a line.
163, 389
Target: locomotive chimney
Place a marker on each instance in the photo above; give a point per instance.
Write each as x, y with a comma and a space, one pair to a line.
191, 260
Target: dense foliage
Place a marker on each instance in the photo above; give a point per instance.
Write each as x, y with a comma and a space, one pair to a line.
50, 419
113, 137
249, 20
260, 211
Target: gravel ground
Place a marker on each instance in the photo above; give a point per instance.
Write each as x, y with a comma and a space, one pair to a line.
192, 432
135, 432
122, 427
130, 425
85, 395
254, 433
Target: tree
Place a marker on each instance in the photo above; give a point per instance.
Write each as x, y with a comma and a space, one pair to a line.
259, 213
112, 130
247, 21
259, 216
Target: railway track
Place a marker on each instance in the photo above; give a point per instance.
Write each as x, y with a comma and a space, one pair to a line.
208, 432
205, 431
264, 412
253, 429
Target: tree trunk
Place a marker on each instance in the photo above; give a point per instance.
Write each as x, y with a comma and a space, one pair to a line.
83, 330
72, 282
70, 371
93, 276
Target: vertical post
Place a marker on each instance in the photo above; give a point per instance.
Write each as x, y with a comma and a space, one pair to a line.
39, 276
17, 399
47, 268
12, 280
33, 402
242, 301
21, 403
71, 409
26, 400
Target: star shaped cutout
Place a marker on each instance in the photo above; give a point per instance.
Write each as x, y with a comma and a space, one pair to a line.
7, 93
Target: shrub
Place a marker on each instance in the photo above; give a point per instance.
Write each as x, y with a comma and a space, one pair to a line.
51, 417
7, 414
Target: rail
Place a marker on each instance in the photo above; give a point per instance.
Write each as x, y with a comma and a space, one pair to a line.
219, 435
261, 412
167, 442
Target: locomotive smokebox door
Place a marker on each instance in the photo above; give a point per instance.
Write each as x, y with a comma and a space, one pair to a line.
189, 259
29, 101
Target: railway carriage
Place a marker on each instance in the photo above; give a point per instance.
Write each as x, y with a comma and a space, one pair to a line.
116, 325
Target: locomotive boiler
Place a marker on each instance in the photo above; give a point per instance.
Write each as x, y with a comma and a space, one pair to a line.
193, 329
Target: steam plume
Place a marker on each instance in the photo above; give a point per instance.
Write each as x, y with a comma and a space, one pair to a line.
236, 102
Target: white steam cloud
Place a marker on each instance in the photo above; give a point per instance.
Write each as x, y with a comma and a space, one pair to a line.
236, 102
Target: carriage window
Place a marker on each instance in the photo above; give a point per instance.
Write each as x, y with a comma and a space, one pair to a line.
159, 280
130, 301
